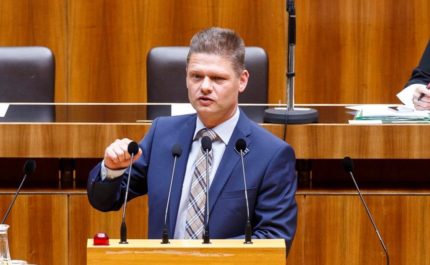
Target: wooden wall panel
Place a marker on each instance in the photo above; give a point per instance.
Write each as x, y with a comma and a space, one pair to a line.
109, 40
358, 51
85, 222
38, 228
38, 23
347, 51
336, 230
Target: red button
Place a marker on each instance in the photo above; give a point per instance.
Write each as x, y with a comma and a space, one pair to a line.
101, 239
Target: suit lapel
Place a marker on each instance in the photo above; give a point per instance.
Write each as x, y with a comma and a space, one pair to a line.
229, 159
185, 136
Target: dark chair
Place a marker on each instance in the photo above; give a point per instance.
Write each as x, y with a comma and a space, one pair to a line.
166, 77
27, 74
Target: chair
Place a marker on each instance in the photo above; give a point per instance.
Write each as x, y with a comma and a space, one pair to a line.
166, 77
27, 74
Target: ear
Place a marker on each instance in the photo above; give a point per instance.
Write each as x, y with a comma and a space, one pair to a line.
243, 80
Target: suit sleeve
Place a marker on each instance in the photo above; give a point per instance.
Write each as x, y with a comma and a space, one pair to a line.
108, 195
421, 74
275, 213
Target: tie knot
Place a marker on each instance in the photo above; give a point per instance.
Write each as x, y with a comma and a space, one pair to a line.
207, 132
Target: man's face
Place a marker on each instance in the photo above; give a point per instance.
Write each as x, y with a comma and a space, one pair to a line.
214, 87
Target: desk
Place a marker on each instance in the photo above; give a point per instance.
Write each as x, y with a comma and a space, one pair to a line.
333, 228
84, 130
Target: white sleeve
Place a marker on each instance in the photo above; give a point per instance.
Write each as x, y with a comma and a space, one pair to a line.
110, 173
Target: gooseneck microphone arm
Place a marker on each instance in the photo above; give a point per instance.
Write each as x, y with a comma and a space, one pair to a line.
29, 168
241, 147
348, 166
176, 152
207, 147
133, 149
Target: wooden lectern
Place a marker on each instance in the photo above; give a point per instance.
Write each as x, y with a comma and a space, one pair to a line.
188, 252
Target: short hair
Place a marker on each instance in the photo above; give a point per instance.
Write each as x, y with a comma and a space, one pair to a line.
220, 41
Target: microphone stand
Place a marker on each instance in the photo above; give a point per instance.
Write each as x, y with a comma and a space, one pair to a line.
291, 115
206, 239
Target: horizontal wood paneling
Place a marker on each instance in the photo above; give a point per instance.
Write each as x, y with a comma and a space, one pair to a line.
333, 227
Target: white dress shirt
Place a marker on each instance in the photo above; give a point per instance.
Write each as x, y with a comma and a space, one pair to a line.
224, 132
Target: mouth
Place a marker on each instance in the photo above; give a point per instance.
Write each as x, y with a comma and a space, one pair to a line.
205, 100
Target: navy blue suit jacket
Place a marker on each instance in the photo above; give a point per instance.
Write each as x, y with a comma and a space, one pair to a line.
421, 74
270, 173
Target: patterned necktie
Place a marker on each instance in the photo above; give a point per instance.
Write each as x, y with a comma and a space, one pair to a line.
194, 224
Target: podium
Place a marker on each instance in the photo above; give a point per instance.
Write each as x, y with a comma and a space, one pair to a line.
188, 252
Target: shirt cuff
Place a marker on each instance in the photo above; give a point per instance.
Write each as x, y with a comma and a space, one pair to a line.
107, 173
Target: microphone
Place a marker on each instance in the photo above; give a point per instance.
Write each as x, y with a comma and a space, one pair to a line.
206, 147
133, 149
291, 22
349, 168
29, 168
240, 148
176, 153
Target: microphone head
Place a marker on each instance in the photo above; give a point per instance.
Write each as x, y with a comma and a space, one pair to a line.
240, 145
133, 148
29, 167
206, 143
176, 150
347, 164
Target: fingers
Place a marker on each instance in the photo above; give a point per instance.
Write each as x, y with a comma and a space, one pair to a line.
116, 155
421, 98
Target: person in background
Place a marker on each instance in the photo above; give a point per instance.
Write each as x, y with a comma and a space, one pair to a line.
215, 76
417, 89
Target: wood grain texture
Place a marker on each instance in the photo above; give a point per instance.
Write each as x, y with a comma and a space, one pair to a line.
38, 228
85, 222
189, 252
358, 51
70, 140
317, 141
338, 231
64, 140
346, 52
312, 141
38, 23
109, 40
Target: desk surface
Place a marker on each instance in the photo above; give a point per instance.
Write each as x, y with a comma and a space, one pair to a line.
84, 130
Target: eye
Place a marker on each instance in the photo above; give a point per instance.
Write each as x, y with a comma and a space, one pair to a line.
196, 77
218, 79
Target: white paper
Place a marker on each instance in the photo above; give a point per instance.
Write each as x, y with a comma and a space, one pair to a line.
407, 94
3, 109
383, 110
363, 122
182, 108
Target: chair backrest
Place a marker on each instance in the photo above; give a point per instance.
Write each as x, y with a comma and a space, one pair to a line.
27, 74
166, 75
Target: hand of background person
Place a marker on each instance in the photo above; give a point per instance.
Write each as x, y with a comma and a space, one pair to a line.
116, 154
421, 98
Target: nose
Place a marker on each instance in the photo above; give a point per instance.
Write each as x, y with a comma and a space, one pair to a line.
206, 85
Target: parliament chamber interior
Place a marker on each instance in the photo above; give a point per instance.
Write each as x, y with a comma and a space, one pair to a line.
346, 53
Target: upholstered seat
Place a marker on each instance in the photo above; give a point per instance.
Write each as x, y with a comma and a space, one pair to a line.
27, 74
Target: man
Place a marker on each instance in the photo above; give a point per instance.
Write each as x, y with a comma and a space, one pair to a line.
417, 90
215, 76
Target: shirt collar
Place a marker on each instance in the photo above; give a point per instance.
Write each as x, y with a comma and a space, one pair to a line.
223, 130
